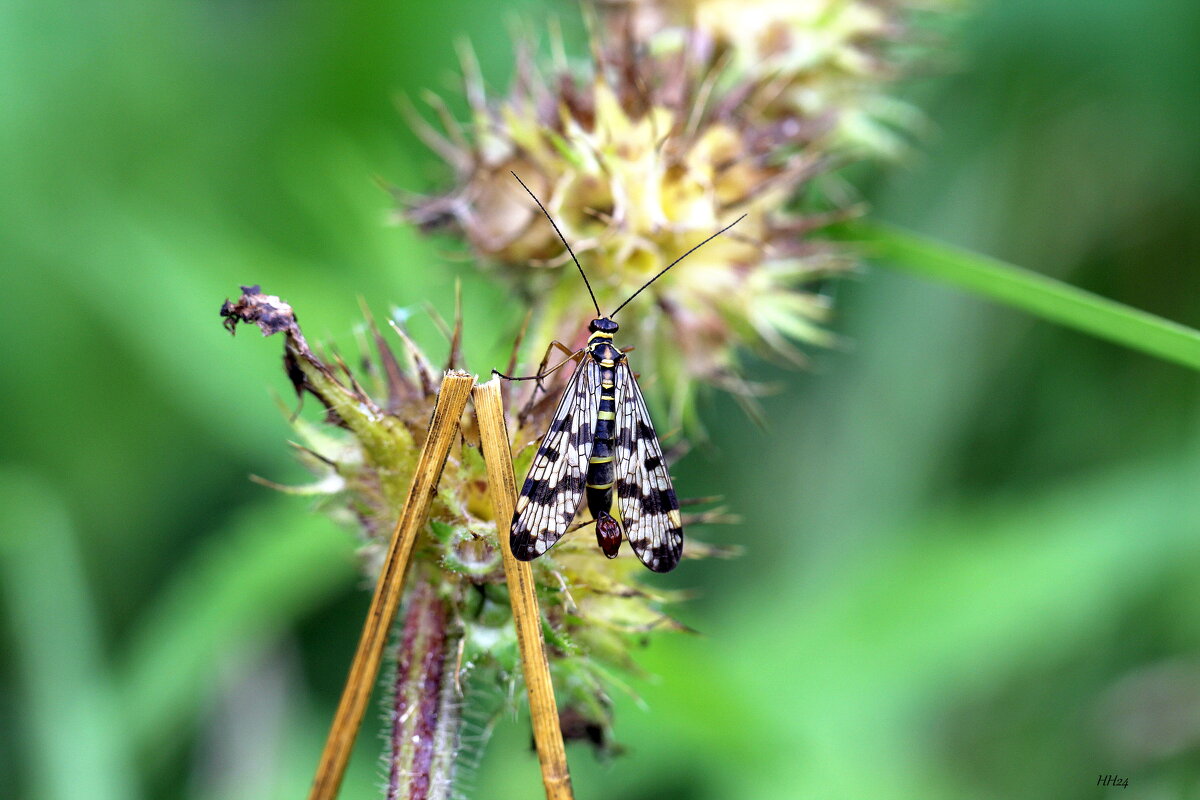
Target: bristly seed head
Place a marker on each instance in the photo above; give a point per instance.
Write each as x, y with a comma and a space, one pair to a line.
593, 606
638, 162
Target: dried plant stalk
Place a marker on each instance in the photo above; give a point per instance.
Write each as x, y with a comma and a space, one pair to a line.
502, 485
443, 430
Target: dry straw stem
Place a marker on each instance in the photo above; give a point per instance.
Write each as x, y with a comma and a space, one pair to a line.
443, 430
543, 711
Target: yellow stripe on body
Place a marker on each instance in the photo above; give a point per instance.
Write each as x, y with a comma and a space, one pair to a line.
606, 415
603, 460
601, 486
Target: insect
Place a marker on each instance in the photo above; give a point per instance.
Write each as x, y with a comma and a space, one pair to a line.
601, 441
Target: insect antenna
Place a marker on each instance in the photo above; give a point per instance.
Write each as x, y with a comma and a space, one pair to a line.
564, 241
673, 263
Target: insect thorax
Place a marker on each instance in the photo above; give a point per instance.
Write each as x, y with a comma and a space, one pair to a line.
600, 346
604, 353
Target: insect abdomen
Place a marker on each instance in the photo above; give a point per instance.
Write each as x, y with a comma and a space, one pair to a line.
600, 474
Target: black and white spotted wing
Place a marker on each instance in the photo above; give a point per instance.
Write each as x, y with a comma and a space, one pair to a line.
553, 490
649, 508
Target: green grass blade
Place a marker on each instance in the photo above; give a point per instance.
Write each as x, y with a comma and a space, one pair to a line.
274, 562
71, 730
1037, 294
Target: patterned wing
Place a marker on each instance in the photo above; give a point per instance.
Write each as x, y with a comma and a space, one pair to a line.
649, 508
554, 487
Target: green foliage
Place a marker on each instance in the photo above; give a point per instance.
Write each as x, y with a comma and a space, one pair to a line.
1044, 297
272, 563
69, 705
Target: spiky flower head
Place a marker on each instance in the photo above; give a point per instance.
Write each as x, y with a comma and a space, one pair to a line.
830, 62
639, 159
364, 459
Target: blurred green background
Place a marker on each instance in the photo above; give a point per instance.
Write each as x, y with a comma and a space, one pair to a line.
970, 538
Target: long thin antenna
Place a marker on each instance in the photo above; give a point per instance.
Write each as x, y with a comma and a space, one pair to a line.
676, 261
564, 241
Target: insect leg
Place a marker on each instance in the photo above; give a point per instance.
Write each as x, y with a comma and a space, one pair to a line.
542, 371
579, 525
562, 348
